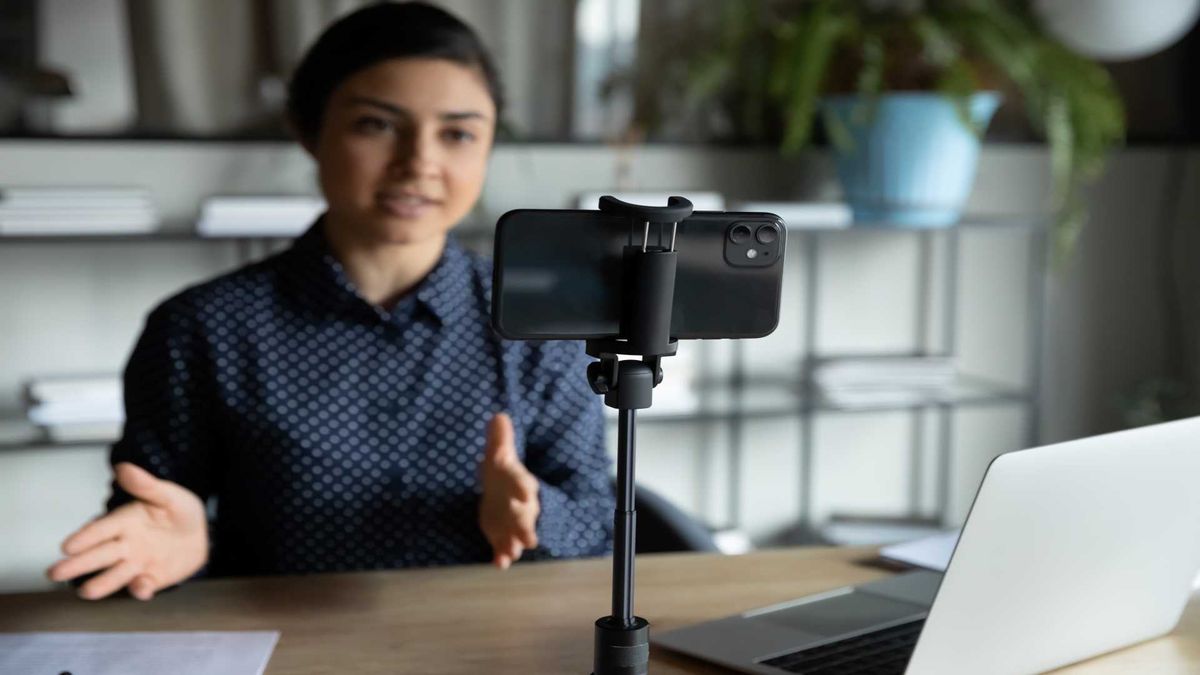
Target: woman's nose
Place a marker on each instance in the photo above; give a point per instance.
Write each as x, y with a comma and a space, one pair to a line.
414, 153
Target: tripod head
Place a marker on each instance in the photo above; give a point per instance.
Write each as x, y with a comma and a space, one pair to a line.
647, 295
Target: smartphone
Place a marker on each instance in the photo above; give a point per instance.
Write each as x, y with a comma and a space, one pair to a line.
557, 273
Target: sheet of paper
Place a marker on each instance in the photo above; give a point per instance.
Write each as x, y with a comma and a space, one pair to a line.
199, 653
932, 553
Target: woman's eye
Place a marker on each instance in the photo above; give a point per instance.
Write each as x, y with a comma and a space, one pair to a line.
372, 125
458, 135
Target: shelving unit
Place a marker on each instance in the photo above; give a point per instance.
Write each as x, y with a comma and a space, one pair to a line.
16, 433
738, 401
968, 390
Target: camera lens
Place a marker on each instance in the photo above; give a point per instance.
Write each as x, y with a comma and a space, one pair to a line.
739, 234
767, 234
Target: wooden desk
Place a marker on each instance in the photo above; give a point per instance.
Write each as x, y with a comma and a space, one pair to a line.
534, 618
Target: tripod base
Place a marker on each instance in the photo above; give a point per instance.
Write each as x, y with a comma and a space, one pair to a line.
621, 650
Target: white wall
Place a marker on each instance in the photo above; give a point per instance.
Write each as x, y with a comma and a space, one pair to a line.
44, 496
73, 307
89, 42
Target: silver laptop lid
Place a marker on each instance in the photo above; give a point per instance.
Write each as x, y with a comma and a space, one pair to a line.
1070, 550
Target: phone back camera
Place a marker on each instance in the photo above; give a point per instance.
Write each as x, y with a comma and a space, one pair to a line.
750, 244
740, 233
767, 234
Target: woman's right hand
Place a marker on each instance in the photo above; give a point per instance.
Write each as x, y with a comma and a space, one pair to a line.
156, 541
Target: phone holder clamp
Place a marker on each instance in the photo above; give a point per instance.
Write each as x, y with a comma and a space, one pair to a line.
647, 297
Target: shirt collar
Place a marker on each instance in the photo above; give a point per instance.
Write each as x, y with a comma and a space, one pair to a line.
322, 283
444, 291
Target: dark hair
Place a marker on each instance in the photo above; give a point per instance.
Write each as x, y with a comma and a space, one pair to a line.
376, 33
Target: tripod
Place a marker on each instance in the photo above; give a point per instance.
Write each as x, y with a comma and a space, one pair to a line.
648, 288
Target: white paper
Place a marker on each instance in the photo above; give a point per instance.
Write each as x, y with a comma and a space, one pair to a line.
198, 653
929, 552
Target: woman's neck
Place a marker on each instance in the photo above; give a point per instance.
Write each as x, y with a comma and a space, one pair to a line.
383, 273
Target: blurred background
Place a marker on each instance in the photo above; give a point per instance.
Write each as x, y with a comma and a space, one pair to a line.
993, 215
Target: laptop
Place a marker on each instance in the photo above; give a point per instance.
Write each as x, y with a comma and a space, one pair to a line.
1069, 550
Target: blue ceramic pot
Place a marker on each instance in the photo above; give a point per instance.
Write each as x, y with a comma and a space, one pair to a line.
906, 159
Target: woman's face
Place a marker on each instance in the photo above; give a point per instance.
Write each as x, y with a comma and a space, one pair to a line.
403, 148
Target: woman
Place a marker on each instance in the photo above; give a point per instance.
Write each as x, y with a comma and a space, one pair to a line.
340, 400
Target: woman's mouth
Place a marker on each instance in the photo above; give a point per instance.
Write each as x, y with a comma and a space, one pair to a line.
405, 205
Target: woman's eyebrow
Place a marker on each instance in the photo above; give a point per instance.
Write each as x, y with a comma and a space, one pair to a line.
452, 116
382, 105
463, 115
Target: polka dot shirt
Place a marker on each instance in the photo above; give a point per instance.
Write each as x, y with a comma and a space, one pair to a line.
335, 435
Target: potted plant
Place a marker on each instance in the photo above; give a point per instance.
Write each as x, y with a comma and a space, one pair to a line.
905, 91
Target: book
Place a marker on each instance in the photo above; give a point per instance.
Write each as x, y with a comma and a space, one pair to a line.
73, 408
76, 211
262, 216
8, 214
89, 387
76, 412
63, 226
93, 196
102, 433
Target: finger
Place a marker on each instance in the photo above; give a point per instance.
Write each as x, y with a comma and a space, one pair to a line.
114, 579
527, 485
97, 531
143, 587
98, 557
501, 443
528, 537
142, 484
498, 546
515, 549
502, 561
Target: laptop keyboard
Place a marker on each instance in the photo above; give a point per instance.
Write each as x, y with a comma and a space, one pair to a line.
883, 651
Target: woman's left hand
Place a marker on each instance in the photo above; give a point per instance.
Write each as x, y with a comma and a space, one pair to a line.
509, 508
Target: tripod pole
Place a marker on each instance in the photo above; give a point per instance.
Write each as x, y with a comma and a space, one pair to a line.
622, 639
624, 519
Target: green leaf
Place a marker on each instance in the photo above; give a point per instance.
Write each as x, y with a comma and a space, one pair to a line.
958, 84
870, 78
839, 133
817, 37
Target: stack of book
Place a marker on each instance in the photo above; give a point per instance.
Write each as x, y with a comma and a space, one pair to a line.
37, 211
73, 409
873, 381
266, 216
